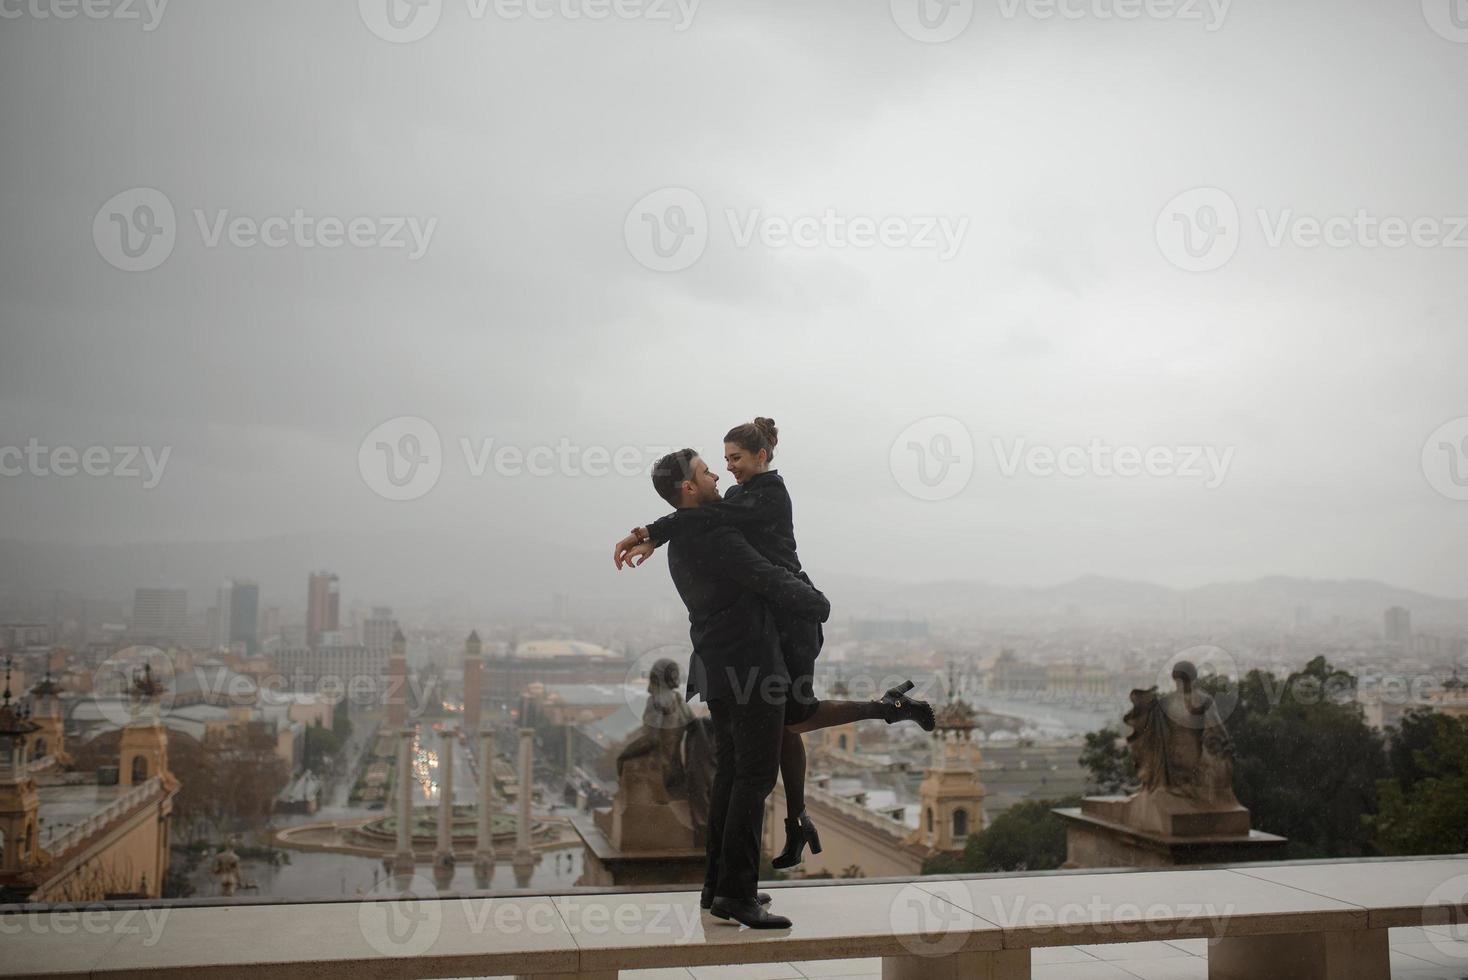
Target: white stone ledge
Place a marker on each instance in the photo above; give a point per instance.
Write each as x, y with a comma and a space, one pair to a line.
931, 925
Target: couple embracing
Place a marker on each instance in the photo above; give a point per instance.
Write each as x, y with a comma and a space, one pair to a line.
755, 622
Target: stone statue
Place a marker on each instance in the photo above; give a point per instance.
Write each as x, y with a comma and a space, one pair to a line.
1185, 811
664, 718
665, 773
1185, 762
1179, 742
226, 869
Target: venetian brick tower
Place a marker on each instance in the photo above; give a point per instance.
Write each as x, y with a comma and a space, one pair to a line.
473, 681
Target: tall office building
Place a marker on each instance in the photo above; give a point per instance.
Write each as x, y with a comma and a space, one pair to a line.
323, 606
378, 629
160, 614
219, 621
244, 614
1398, 626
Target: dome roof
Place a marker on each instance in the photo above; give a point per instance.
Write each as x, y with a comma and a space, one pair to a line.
548, 649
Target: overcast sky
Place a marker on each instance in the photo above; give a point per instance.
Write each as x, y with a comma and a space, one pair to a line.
1074, 297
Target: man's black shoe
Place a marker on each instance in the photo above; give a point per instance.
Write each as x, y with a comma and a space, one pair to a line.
706, 898
748, 913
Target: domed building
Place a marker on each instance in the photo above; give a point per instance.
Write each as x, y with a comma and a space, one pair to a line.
549, 661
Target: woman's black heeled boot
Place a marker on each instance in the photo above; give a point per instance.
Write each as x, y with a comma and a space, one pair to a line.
798, 833
897, 706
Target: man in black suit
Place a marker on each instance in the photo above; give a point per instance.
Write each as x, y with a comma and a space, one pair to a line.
737, 668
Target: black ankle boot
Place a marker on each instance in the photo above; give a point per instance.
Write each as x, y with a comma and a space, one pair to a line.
798, 833
897, 706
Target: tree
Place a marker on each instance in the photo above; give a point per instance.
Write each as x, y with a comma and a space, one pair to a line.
1026, 837
1414, 736
1424, 809
341, 721
1113, 770
320, 742
1306, 764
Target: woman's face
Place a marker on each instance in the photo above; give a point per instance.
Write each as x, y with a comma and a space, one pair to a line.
742, 463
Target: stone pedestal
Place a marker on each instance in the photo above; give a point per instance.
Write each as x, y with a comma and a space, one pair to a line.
1159, 831
1360, 955
638, 826
1002, 964
604, 863
644, 838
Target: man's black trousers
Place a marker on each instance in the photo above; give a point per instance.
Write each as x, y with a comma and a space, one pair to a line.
747, 760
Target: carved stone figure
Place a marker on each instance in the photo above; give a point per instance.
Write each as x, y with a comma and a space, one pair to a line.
1180, 744
665, 773
1184, 759
226, 869
664, 718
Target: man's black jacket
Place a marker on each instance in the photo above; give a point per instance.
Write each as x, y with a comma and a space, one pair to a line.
729, 588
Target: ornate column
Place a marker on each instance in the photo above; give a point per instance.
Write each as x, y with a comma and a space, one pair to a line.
484, 848
403, 857
444, 855
524, 860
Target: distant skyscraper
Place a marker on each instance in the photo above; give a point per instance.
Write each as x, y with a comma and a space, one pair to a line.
219, 634
377, 629
323, 606
1398, 625
244, 614
160, 614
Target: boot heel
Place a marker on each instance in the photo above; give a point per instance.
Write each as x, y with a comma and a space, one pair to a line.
813, 837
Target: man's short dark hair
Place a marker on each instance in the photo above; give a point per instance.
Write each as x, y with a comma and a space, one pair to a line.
669, 473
